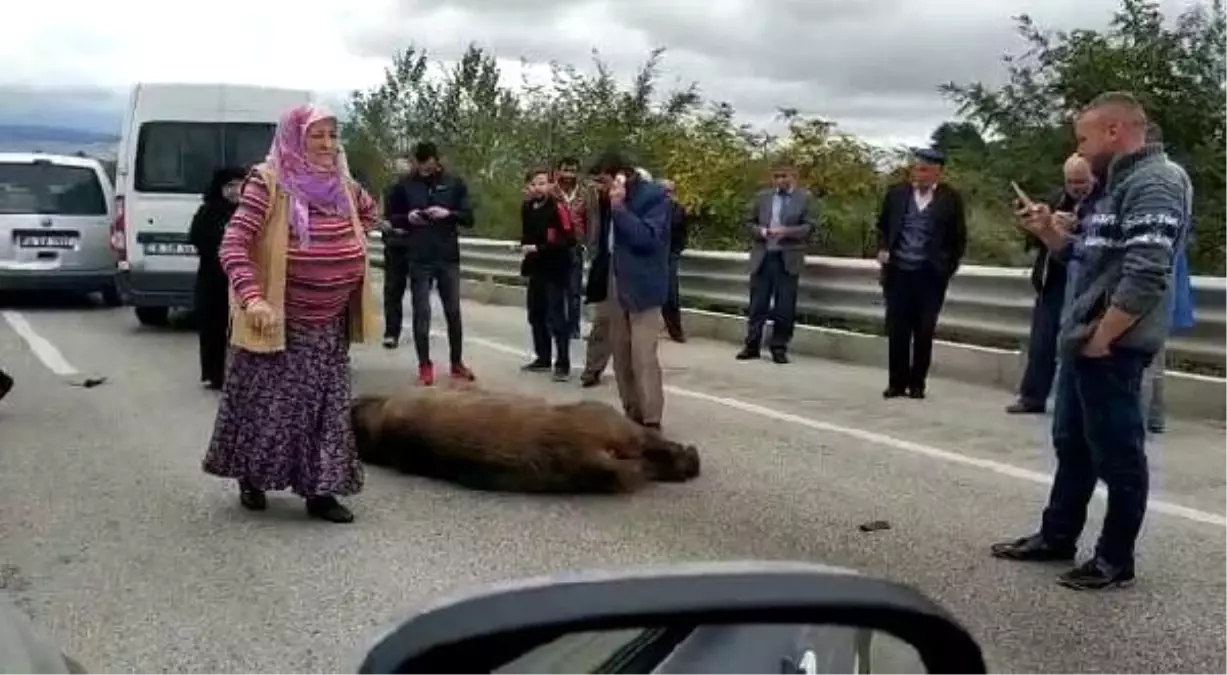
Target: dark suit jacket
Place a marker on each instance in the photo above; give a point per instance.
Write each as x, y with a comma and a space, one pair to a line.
799, 219
948, 241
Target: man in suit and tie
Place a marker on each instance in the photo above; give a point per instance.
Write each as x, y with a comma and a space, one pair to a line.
780, 221
922, 235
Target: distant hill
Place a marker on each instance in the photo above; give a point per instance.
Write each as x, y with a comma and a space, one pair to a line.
27, 133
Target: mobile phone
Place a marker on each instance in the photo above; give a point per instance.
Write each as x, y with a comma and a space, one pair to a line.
1022, 196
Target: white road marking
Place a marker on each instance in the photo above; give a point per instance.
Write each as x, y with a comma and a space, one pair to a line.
41, 346
873, 437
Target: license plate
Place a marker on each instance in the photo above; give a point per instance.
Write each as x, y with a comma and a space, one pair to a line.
169, 248
47, 241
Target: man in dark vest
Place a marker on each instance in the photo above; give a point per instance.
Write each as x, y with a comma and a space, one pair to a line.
922, 235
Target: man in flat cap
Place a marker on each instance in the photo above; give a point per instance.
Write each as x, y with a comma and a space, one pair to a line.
922, 234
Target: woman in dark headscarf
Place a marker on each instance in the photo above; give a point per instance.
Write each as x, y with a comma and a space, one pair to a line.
212, 295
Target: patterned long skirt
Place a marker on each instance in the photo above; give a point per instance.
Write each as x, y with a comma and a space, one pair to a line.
284, 421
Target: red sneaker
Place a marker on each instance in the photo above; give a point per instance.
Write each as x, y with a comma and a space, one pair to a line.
462, 372
426, 374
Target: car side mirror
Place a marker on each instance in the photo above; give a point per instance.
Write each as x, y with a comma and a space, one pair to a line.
750, 617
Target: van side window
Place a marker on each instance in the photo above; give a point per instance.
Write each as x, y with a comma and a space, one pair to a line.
180, 157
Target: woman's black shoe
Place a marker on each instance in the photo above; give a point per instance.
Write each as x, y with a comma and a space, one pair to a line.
252, 499
329, 509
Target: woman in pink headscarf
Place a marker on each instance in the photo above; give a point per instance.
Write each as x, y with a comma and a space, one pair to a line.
295, 256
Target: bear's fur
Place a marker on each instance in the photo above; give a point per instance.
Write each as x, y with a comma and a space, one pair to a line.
514, 443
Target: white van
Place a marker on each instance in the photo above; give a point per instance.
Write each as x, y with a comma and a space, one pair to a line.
174, 137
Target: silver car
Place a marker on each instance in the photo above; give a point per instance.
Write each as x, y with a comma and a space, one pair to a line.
55, 223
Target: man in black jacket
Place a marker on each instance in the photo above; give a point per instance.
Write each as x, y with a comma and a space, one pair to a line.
922, 235
428, 207
677, 243
1048, 277
395, 262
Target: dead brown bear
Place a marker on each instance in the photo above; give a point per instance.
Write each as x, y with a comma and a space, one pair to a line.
512, 443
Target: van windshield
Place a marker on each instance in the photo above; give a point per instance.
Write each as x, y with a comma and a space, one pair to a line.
180, 157
53, 189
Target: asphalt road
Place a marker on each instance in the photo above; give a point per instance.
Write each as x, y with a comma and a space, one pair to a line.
117, 544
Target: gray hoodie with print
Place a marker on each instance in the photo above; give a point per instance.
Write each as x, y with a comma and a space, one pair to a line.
1128, 252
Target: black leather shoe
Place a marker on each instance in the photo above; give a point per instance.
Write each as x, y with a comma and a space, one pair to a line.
329, 509
893, 392
252, 499
748, 354
1033, 548
779, 356
916, 393
1021, 407
1096, 575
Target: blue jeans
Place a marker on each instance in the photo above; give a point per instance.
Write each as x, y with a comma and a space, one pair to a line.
1099, 433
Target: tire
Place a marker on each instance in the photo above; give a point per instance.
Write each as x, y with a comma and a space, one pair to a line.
111, 296
153, 316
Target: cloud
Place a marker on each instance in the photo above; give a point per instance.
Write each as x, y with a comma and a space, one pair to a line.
873, 66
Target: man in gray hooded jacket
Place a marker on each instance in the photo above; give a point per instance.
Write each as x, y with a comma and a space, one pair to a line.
1115, 322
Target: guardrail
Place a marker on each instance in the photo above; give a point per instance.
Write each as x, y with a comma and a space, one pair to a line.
988, 306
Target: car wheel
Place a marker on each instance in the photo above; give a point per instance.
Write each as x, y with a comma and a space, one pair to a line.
111, 296
153, 316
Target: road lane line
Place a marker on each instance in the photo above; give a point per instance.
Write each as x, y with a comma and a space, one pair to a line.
41, 346
873, 437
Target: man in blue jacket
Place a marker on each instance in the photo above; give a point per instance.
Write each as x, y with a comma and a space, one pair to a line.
630, 280
1115, 319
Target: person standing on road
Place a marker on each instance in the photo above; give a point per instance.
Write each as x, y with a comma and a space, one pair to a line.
395, 264
630, 277
598, 350
429, 206
570, 193
212, 297
295, 254
1049, 278
1183, 317
780, 222
1116, 320
677, 244
922, 235
548, 243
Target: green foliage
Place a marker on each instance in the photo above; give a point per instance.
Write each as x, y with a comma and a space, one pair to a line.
490, 132
1177, 71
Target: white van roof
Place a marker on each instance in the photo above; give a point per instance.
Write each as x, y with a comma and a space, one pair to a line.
64, 160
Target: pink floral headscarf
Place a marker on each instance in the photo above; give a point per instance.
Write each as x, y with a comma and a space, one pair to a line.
309, 185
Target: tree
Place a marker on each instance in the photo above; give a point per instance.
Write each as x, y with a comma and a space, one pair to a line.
1178, 71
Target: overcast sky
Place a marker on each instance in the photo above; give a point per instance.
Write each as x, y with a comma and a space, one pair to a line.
870, 65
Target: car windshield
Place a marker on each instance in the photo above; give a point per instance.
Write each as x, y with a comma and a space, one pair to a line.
53, 189
180, 157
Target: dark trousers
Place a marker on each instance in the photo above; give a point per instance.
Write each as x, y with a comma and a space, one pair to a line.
445, 277
575, 293
671, 311
1042, 346
395, 280
1098, 432
548, 317
773, 294
212, 312
914, 300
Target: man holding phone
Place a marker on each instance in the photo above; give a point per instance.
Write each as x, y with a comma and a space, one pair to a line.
1048, 277
1115, 320
427, 207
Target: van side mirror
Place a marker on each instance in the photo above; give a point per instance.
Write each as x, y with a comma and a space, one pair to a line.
754, 617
